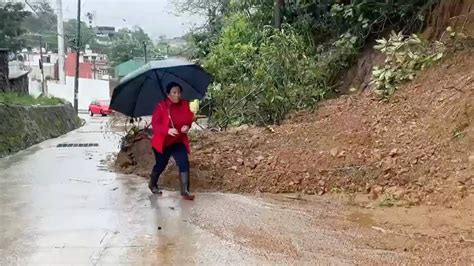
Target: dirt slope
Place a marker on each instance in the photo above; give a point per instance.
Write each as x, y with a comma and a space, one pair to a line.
420, 141
417, 147
459, 14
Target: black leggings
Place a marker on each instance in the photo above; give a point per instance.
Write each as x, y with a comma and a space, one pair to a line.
179, 153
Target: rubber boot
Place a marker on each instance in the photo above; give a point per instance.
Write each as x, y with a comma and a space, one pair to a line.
184, 180
153, 183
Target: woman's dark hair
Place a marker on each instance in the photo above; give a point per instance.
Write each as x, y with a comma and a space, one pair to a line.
171, 85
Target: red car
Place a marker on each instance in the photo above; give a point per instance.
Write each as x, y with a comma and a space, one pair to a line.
99, 108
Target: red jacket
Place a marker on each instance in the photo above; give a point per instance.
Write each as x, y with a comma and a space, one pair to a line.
180, 115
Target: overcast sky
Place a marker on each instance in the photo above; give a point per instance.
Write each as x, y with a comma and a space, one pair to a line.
156, 17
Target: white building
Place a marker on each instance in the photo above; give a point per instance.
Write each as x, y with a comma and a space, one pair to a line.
30, 61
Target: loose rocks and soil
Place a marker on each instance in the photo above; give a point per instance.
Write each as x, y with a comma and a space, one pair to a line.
418, 146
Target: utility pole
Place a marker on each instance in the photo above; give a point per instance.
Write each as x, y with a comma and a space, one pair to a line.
62, 74
43, 87
78, 54
94, 68
144, 47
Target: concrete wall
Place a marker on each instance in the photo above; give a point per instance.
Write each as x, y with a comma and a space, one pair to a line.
89, 90
34, 87
24, 126
35, 71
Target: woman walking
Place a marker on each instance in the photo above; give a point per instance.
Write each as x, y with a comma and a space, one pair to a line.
171, 122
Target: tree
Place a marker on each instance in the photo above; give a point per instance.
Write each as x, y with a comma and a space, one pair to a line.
279, 5
205, 36
213, 10
11, 17
49, 34
128, 44
141, 36
87, 34
43, 19
216, 12
201, 7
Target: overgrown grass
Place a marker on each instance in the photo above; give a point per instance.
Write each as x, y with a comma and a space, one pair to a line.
14, 98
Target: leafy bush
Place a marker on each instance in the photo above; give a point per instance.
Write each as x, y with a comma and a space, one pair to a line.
263, 74
406, 55
324, 20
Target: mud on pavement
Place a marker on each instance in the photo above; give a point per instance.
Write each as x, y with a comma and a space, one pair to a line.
406, 153
333, 228
298, 229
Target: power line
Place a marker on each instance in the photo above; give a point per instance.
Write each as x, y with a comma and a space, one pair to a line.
31, 7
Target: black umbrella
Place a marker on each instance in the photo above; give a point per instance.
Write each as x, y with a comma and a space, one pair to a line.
140, 91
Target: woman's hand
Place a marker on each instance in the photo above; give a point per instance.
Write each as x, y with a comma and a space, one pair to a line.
173, 132
185, 129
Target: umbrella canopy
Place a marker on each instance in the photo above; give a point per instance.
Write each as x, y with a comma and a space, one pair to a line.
138, 92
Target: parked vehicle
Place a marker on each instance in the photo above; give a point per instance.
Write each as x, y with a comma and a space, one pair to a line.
99, 108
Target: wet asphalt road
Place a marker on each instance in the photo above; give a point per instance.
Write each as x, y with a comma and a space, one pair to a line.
61, 205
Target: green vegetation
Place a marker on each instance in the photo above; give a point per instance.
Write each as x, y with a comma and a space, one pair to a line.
12, 16
127, 44
43, 19
23, 126
405, 56
267, 76
14, 98
265, 68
